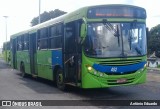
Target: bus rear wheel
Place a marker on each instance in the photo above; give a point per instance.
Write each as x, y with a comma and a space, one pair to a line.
23, 74
59, 80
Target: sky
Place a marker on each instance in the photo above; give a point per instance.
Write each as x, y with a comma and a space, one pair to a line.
21, 12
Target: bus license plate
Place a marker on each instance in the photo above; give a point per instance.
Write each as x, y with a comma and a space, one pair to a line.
122, 80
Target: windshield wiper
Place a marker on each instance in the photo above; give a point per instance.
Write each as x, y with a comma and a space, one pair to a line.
117, 35
122, 43
110, 27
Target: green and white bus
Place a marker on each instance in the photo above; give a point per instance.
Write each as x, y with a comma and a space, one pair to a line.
6, 52
92, 47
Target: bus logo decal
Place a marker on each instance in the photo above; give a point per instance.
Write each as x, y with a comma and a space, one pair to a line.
114, 69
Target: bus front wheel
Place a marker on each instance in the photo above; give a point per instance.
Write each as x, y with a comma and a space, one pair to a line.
59, 80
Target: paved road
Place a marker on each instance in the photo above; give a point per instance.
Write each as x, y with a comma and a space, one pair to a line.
14, 87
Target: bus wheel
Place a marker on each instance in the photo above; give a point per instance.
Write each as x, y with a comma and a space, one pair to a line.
59, 80
23, 74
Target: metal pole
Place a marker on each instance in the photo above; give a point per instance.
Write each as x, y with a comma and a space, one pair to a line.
39, 20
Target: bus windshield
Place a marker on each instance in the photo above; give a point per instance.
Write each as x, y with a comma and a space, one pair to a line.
115, 39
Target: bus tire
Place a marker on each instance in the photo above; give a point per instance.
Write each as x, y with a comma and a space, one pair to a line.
59, 80
23, 74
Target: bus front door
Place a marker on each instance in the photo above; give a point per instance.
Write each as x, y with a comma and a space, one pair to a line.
32, 52
71, 56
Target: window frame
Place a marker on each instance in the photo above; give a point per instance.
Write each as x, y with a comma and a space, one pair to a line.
40, 45
58, 34
26, 36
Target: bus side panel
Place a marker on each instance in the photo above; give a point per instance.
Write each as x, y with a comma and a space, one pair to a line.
23, 56
56, 59
26, 60
18, 55
44, 64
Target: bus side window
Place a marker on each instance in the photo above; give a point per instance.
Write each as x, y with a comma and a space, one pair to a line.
42, 39
26, 42
19, 43
55, 36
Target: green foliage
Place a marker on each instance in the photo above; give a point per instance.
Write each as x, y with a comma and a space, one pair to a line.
154, 41
47, 16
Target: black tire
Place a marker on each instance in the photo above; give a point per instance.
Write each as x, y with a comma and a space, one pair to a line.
59, 80
23, 74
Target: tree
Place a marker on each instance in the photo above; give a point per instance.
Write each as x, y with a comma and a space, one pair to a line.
154, 41
47, 16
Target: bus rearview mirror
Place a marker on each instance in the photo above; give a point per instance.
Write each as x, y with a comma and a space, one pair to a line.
83, 30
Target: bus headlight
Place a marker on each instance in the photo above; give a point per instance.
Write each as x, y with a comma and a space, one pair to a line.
89, 68
145, 65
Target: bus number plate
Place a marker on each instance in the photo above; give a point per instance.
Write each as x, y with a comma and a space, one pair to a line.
122, 80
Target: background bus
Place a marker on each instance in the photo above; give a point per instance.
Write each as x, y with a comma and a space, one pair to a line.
92, 47
6, 52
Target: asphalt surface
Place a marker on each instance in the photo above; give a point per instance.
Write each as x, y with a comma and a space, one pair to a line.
14, 87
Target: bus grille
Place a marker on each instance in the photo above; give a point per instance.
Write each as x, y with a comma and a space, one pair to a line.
126, 73
114, 81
